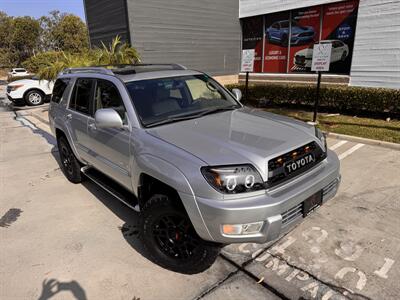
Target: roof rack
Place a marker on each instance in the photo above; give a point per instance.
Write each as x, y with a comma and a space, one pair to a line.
123, 68
87, 70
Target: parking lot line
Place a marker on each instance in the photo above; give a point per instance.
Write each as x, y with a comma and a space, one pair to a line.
350, 151
337, 145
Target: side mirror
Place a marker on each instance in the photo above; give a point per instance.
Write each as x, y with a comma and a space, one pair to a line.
238, 94
107, 118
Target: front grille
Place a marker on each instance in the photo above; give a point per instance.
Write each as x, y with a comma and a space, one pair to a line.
300, 58
276, 169
292, 214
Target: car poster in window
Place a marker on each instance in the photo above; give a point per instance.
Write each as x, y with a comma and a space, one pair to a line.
338, 27
276, 42
305, 31
253, 38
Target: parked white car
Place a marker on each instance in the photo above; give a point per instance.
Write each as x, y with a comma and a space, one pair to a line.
17, 72
30, 91
340, 51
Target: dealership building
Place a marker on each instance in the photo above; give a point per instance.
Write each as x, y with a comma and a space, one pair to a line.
210, 35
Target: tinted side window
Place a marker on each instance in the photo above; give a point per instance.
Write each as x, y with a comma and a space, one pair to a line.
59, 89
107, 96
80, 100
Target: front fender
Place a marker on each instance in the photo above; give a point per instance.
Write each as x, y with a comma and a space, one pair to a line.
171, 175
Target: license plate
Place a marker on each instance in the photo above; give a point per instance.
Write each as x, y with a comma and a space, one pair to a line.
312, 203
299, 163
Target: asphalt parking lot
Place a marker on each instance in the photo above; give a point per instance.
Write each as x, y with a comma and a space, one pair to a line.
65, 241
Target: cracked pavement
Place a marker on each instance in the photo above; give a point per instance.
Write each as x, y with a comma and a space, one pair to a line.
77, 242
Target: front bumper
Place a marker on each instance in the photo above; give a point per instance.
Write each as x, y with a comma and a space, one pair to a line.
15, 100
278, 207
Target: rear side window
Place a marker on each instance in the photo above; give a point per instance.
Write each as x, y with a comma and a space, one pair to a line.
80, 100
59, 89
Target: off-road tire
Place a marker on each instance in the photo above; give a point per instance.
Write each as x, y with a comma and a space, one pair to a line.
69, 163
199, 259
34, 98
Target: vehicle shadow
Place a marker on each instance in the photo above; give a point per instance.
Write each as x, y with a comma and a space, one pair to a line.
130, 230
51, 287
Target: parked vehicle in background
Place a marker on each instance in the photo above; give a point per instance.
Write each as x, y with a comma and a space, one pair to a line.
32, 92
279, 32
17, 72
203, 170
340, 51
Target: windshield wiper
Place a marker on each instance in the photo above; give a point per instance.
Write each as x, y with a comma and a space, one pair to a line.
218, 109
172, 120
180, 117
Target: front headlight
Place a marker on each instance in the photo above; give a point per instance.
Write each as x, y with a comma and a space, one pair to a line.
233, 179
14, 87
322, 137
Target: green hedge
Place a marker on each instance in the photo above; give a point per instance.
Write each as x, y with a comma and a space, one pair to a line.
332, 98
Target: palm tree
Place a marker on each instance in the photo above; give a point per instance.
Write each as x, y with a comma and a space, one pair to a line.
117, 53
67, 60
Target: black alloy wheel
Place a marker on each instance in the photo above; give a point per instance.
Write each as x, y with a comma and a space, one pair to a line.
69, 163
171, 240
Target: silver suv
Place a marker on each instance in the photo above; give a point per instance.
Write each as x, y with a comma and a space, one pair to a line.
202, 169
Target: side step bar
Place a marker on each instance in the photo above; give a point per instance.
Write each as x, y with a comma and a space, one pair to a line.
112, 187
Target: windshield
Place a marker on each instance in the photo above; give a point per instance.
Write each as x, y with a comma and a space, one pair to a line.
164, 100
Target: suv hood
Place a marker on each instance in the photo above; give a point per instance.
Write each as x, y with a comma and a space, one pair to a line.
236, 137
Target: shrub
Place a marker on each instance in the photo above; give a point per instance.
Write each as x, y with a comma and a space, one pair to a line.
359, 100
41, 60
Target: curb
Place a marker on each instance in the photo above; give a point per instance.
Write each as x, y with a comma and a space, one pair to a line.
393, 146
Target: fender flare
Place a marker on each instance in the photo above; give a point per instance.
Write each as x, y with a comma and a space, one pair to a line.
171, 175
64, 130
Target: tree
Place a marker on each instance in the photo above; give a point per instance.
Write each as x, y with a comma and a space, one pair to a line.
69, 33
6, 56
24, 37
47, 24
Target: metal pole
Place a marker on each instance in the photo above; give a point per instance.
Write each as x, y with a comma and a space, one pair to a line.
317, 97
246, 87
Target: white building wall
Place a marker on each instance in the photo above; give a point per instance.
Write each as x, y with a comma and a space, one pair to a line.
248, 8
376, 54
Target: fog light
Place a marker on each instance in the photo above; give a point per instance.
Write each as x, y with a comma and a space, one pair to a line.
242, 229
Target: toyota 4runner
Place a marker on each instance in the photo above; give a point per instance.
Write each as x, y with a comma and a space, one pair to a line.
202, 169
